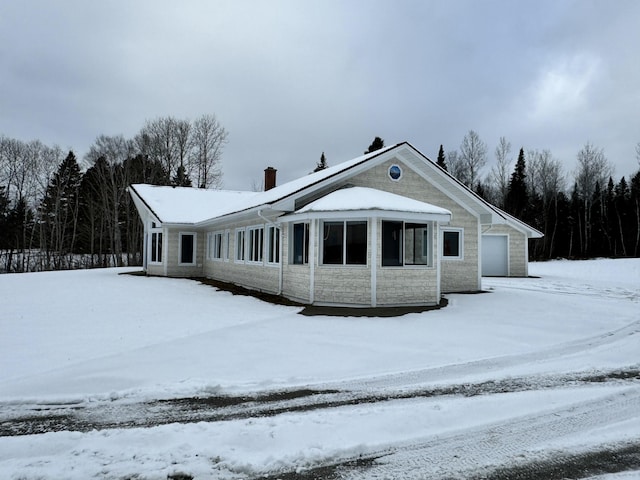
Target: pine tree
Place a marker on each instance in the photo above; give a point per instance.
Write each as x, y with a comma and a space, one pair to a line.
322, 164
181, 178
377, 144
441, 159
59, 212
517, 195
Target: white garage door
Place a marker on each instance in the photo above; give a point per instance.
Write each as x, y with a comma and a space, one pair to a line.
495, 262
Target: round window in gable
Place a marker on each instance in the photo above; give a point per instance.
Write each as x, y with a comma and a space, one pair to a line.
395, 172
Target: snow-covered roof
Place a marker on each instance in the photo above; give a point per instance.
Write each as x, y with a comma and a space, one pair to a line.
189, 205
364, 198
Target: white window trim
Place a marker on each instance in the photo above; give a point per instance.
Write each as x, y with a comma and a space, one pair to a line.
460, 255
212, 246
248, 250
236, 245
226, 245
309, 242
269, 248
154, 231
431, 262
195, 249
344, 244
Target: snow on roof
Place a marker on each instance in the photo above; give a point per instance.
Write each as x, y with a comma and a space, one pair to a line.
190, 205
194, 205
364, 198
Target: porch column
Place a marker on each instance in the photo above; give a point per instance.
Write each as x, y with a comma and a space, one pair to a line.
373, 249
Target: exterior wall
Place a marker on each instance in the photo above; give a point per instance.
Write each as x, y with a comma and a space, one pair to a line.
171, 254
295, 278
343, 284
456, 275
407, 285
258, 276
518, 256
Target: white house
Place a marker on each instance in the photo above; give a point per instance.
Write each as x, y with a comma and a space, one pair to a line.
388, 228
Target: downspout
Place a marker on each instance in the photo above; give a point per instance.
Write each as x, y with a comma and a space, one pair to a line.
271, 222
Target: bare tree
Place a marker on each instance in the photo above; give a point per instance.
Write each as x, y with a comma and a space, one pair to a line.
161, 142
455, 166
593, 169
209, 139
473, 156
501, 170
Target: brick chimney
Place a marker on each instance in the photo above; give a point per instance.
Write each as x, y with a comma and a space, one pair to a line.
269, 178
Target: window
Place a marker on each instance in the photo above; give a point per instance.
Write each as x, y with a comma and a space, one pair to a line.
187, 248
405, 244
300, 243
344, 243
239, 245
273, 245
156, 247
227, 243
256, 239
452, 244
216, 246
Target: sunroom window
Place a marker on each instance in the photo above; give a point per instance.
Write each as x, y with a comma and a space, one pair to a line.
156, 247
300, 243
405, 243
344, 243
273, 245
256, 238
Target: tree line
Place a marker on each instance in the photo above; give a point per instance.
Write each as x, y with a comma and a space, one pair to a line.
583, 214
58, 213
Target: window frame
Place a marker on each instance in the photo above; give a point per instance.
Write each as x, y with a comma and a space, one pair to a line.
273, 247
240, 252
216, 247
460, 232
255, 245
345, 224
194, 249
403, 241
155, 252
305, 243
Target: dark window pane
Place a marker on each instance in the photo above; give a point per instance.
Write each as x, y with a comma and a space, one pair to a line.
186, 254
356, 243
332, 243
451, 241
300, 243
391, 243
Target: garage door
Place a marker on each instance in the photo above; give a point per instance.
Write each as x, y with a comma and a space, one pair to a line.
495, 261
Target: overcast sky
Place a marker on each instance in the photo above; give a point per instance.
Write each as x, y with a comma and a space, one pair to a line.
291, 79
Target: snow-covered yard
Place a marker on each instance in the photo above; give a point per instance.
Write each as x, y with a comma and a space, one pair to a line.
93, 339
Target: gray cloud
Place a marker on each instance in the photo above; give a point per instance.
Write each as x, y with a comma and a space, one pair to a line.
292, 79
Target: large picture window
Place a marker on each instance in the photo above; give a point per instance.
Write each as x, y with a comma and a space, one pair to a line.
344, 243
300, 253
405, 243
452, 244
187, 248
256, 239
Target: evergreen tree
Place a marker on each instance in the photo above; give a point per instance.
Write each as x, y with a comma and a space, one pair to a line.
441, 159
59, 212
377, 144
517, 195
181, 178
4, 219
634, 199
322, 164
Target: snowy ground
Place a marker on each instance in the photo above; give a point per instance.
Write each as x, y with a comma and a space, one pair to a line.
537, 370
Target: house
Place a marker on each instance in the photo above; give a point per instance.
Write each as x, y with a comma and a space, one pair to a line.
388, 228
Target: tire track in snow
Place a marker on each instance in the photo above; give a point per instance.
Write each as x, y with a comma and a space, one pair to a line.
459, 371
459, 454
